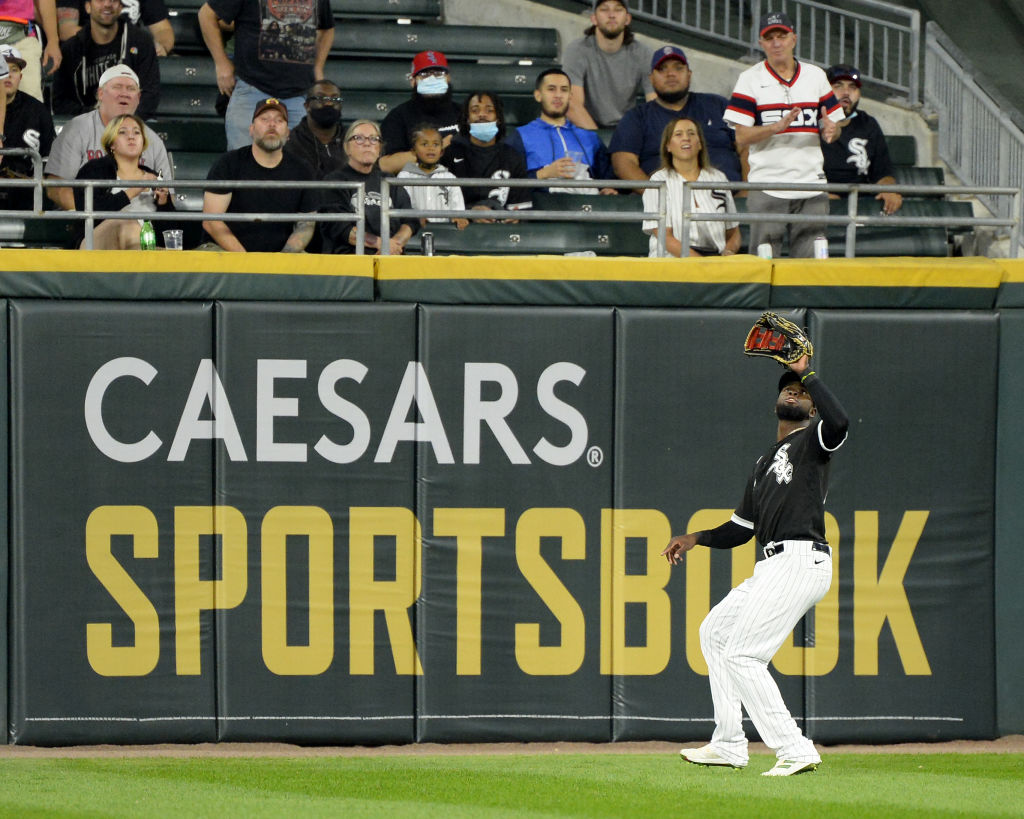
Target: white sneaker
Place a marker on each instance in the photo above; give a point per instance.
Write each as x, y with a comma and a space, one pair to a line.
707, 756
791, 767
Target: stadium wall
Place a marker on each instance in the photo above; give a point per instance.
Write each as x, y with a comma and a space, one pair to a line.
400, 500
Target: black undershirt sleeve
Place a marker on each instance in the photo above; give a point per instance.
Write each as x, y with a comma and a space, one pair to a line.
727, 536
834, 422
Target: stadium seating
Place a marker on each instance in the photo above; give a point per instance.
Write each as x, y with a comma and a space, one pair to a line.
902, 149
39, 233
418, 10
526, 238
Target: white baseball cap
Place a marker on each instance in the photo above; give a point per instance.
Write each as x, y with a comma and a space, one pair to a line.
119, 70
12, 55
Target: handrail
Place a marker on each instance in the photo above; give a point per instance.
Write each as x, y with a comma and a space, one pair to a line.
524, 214
852, 220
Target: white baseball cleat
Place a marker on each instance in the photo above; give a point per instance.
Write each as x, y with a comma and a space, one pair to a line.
707, 755
791, 767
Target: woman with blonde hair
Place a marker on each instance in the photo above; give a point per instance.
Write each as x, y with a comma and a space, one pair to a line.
124, 139
684, 156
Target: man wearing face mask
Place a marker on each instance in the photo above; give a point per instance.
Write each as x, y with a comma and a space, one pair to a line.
479, 151
317, 139
431, 102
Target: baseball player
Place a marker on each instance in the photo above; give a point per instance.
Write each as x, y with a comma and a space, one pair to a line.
784, 508
778, 108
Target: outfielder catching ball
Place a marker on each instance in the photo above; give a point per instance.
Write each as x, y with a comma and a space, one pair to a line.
783, 506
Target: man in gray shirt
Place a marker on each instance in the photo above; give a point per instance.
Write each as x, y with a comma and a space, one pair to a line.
607, 66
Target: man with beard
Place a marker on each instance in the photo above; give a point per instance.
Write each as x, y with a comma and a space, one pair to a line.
107, 40
479, 151
263, 161
552, 146
28, 125
607, 66
431, 103
636, 143
317, 139
81, 139
783, 506
860, 154
150, 13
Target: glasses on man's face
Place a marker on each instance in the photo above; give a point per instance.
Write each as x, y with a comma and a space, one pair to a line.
320, 100
359, 139
432, 72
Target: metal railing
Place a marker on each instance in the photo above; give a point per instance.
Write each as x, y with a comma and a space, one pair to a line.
527, 214
851, 220
978, 137
883, 40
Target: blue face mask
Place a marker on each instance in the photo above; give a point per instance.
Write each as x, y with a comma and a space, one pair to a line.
432, 86
484, 131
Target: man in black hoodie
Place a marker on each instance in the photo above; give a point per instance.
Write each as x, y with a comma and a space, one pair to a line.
107, 40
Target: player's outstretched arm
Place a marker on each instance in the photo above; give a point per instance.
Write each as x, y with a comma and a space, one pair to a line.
679, 546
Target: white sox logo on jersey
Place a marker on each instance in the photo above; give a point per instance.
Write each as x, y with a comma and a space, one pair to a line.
781, 466
858, 147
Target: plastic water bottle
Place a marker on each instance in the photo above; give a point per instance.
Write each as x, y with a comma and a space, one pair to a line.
147, 236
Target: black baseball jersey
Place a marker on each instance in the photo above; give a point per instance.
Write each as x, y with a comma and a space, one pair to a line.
785, 495
861, 153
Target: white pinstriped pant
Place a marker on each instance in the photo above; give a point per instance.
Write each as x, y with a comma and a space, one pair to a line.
740, 636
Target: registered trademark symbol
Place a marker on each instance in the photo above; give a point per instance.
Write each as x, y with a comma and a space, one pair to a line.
595, 457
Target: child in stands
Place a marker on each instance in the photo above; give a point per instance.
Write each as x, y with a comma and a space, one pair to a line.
427, 147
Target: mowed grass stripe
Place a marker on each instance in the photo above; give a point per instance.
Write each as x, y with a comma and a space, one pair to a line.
557, 785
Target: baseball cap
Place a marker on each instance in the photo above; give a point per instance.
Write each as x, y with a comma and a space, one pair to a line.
119, 70
622, 3
428, 59
270, 102
788, 377
669, 52
12, 55
775, 19
843, 71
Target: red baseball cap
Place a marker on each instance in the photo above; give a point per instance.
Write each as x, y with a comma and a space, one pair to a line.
427, 60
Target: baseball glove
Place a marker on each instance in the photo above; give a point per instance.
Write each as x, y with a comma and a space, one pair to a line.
779, 338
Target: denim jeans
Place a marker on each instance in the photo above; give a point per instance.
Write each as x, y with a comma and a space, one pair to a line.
244, 99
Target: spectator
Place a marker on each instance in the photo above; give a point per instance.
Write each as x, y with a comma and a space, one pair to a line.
279, 51
860, 153
124, 140
363, 146
317, 139
778, 107
684, 157
431, 102
71, 15
636, 145
607, 67
263, 160
426, 145
108, 40
4, 74
479, 151
81, 139
552, 146
28, 125
20, 24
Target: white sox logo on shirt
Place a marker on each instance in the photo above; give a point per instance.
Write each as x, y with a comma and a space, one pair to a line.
808, 117
781, 466
858, 147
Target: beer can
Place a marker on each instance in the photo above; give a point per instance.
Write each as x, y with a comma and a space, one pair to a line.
764, 250
427, 244
821, 248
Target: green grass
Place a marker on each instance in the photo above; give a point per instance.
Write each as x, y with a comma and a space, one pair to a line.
552, 785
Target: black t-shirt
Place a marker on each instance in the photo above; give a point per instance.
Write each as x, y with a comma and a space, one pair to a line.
785, 495
497, 161
861, 153
275, 43
343, 200
240, 165
28, 125
397, 125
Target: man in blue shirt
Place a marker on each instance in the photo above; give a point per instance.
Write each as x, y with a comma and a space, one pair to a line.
636, 143
553, 147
